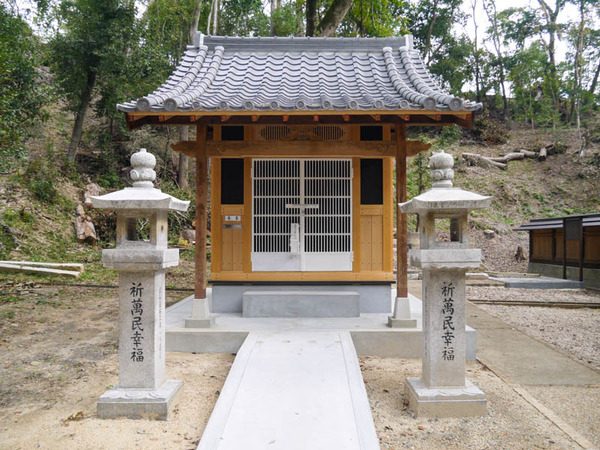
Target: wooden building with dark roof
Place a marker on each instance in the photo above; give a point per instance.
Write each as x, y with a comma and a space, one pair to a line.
305, 135
565, 247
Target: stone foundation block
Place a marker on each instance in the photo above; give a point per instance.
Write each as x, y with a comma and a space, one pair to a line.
139, 403
190, 322
467, 401
401, 323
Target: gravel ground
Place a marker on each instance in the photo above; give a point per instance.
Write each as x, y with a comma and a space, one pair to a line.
575, 332
532, 295
511, 421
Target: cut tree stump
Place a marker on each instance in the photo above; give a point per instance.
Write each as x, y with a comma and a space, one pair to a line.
520, 255
543, 154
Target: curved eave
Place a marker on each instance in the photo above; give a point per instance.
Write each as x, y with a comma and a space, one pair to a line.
410, 117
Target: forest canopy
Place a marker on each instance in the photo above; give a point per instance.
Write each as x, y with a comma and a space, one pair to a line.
534, 64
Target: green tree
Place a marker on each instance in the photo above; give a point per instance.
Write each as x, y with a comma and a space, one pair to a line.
90, 50
375, 18
245, 18
21, 97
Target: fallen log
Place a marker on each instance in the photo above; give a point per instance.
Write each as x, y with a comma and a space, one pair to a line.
528, 154
508, 157
41, 270
85, 230
483, 161
543, 154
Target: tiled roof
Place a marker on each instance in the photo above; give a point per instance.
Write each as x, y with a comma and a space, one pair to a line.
299, 74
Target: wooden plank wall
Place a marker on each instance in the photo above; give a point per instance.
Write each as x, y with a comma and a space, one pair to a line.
547, 247
372, 235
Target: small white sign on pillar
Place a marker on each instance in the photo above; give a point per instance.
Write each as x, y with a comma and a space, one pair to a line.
444, 257
143, 390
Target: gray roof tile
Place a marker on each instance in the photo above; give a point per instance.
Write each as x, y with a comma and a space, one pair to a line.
306, 74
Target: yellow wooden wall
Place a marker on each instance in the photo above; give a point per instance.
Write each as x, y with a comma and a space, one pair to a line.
372, 235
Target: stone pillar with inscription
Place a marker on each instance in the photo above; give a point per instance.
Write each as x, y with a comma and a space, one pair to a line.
141, 256
444, 257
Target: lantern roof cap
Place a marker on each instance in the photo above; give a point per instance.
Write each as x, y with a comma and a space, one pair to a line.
142, 195
443, 197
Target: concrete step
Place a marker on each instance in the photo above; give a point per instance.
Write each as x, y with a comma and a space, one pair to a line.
539, 283
293, 391
301, 303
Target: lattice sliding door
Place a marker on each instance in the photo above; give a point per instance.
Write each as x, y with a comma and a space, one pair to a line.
302, 215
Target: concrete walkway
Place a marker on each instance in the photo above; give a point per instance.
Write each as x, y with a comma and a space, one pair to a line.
519, 359
542, 376
293, 391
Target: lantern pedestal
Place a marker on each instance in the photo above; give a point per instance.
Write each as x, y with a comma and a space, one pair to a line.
444, 257
143, 391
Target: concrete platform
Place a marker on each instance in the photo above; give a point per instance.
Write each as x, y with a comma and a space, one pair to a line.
293, 391
370, 333
228, 298
539, 283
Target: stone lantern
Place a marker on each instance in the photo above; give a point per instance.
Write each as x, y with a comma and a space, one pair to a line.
443, 390
143, 390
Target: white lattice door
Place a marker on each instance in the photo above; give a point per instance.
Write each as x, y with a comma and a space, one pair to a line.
302, 215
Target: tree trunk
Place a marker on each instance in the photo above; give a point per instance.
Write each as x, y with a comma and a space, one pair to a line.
182, 167
476, 46
273, 11
216, 17
334, 16
299, 21
552, 27
195, 20
427, 50
86, 96
492, 14
595, 80
311, 17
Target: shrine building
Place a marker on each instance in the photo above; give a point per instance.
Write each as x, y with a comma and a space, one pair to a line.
307, 139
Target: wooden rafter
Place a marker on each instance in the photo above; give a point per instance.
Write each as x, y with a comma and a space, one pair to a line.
135, 120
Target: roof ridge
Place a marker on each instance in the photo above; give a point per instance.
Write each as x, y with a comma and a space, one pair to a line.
234, 43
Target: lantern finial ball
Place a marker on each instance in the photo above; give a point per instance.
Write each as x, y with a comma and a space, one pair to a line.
142, 172
441, 164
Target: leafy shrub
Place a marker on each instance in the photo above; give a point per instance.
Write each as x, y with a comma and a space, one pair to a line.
449, 136
489, 131
40, 181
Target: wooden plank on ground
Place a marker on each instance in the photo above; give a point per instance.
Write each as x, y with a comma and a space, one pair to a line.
41, 270
60, 266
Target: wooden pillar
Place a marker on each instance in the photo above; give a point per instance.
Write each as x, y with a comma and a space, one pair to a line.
401, 226
201, 211
581, 248
564, 243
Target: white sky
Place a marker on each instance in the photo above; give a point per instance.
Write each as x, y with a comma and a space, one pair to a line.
569, 13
